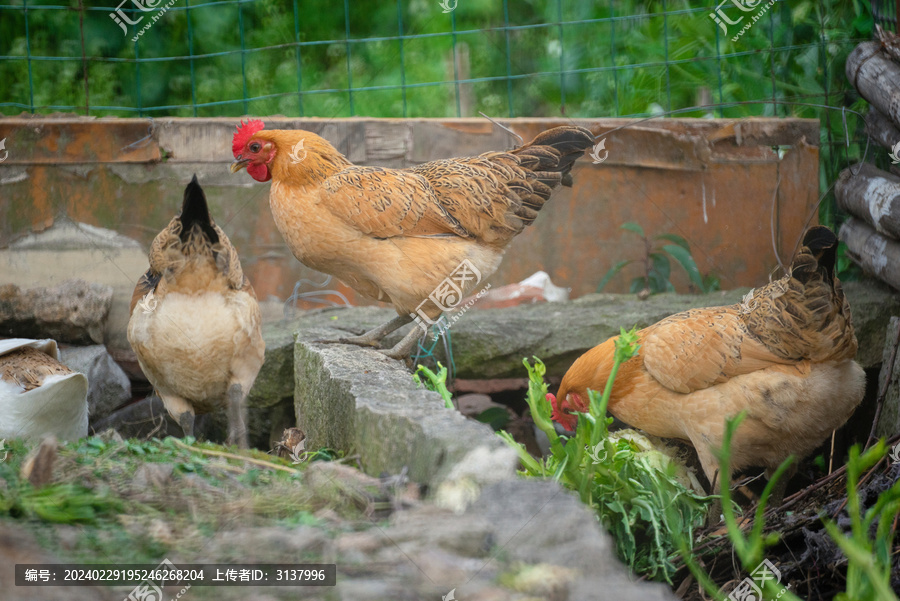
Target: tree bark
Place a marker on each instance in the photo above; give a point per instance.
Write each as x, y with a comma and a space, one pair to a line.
881, 128
873, 196
876, 254
876, 78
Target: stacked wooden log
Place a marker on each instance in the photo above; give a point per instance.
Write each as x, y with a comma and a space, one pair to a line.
872, 196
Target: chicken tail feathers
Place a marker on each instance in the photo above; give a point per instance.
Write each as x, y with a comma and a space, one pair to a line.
821, 244
195, 211
553, 152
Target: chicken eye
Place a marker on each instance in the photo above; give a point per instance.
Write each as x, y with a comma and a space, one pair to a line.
255, 147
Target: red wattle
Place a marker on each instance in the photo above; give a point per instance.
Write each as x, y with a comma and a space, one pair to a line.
259, 172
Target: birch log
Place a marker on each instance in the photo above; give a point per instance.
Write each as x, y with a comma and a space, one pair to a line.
876, 78
872, 195
882, 129
876, 254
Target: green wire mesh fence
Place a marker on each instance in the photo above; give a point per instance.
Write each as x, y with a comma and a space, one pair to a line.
421, 58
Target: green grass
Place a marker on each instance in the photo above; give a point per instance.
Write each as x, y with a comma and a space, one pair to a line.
100, 487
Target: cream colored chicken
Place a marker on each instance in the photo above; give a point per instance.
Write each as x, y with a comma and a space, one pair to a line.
785, 355
195, 321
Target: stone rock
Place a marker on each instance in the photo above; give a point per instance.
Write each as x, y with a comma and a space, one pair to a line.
473, 405
74, 311
537, 522
522, 539
143, 419
268, 544
359, 542
108, 386
155, 475
354, 398
19, 545
97, 255
481, 466
430, 527
275, 380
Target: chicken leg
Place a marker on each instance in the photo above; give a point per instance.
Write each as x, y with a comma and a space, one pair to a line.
181, 410
404, 348
237, 419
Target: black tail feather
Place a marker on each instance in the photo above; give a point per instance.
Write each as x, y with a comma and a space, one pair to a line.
556, 150
195, 211
822, 245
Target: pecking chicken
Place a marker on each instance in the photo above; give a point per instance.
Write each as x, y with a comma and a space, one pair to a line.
784, 354
195, 322
420, 238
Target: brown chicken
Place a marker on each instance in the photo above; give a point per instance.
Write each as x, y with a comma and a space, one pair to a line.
195, 322
784, 354
419, 238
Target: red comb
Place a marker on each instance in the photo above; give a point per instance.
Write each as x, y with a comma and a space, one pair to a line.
244, 132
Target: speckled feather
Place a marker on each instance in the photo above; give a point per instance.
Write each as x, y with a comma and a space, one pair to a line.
784, 354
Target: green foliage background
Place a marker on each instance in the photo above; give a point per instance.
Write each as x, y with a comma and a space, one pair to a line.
625, 60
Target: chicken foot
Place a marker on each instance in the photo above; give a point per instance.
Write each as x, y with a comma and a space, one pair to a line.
402, 349
180, 410
372, 337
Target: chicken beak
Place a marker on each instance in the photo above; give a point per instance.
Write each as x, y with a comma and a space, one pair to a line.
239, 164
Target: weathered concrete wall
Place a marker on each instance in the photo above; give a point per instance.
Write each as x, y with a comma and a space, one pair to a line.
711, 181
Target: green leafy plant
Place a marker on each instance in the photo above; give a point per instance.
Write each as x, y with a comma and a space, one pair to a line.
657, 266
436, 382
870, 559
495, 417
636, 494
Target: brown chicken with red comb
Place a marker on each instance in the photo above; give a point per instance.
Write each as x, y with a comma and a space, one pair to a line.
418, 238
785, 355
